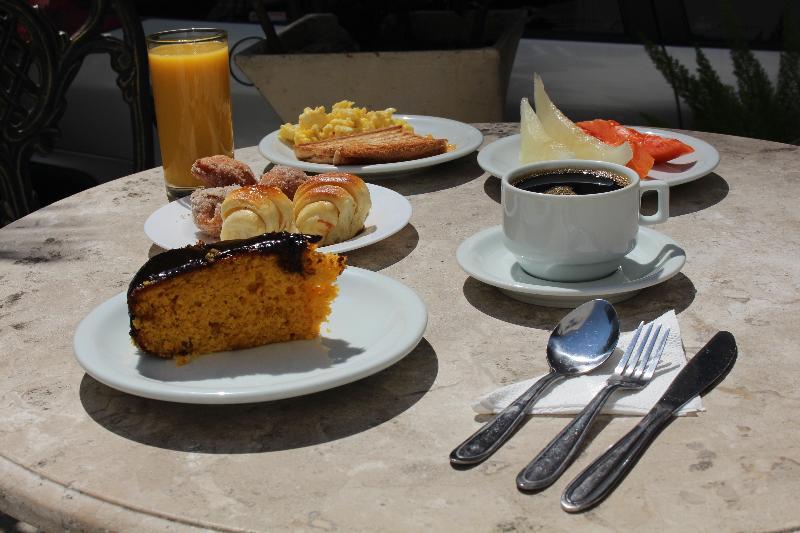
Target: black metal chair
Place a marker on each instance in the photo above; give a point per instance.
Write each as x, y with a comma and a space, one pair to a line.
38, 63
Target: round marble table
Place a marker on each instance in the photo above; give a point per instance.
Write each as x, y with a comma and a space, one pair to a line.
373, 454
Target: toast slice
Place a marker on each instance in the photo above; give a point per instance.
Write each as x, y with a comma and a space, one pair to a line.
386, 145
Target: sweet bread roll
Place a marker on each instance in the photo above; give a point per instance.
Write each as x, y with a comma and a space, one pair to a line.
333, 205
253, 210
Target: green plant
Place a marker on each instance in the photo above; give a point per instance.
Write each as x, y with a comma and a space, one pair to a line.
755, 107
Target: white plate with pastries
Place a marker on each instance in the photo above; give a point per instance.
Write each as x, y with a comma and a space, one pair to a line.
362, 336
171, 226
464, 138
501, 156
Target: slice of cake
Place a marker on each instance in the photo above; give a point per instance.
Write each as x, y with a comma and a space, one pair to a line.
232, 294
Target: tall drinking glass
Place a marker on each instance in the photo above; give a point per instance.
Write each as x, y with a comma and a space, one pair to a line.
191, 88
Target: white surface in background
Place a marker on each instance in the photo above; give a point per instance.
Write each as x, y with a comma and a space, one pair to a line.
588, 80
96, 131
585, 79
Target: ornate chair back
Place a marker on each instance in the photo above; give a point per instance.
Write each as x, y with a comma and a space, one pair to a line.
38, 63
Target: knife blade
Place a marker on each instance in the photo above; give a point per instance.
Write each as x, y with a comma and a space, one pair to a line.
700, 375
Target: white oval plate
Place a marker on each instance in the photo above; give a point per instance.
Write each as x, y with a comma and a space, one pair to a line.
655, 259
362, 336
171, 226
501, 156
464, 137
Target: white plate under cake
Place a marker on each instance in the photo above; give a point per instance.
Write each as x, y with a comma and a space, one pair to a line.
362, 336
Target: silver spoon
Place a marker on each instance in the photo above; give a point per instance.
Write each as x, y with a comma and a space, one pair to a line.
580, 342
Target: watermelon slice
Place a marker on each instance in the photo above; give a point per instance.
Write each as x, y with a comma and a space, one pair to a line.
661, 148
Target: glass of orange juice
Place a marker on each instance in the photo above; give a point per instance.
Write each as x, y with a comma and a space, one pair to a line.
191, 89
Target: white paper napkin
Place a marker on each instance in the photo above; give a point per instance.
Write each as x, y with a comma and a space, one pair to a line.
570, 395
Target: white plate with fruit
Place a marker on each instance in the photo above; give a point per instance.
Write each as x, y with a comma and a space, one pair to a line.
547, 134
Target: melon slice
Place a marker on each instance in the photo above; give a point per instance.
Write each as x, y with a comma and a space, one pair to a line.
535, 144
563, 130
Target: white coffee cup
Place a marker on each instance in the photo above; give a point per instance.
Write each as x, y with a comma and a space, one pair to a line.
575, 237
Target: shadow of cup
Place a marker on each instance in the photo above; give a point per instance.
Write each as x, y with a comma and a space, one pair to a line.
691, 197
676, 293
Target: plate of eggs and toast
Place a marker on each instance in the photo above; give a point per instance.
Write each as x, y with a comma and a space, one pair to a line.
367, 143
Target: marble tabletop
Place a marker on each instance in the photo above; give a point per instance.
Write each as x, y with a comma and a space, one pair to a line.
372, 455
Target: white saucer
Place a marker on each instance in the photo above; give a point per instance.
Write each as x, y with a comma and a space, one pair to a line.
362, 336
501, 156
655, 259
171, 226
464, 137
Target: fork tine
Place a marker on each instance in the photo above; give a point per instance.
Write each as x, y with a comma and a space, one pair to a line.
629, 350
655, 357
631, 366
648, 350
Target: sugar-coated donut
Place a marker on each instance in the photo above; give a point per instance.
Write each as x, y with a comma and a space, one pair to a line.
221, 170
206, 208
287, 179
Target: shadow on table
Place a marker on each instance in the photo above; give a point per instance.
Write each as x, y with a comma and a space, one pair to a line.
376, 256
155, 250
268, 426
435, 178
387, 252
24, 241
683, 199
691, 197
676, 293
492, 188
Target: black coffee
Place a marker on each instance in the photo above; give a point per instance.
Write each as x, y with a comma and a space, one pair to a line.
571, 181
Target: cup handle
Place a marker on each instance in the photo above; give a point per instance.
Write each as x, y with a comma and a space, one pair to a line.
662, 190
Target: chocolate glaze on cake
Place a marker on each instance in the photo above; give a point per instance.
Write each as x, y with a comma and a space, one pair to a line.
288, 247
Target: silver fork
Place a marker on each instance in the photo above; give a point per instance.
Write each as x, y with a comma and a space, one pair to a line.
635, 370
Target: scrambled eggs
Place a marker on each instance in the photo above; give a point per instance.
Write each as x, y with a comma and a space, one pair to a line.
344, 119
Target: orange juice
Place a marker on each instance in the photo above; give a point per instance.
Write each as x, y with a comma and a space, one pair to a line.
193, 106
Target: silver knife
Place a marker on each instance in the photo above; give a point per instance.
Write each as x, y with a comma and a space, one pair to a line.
710, 366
